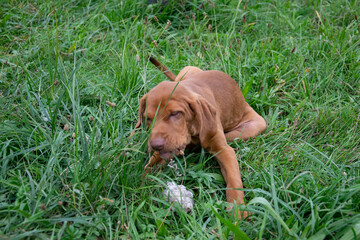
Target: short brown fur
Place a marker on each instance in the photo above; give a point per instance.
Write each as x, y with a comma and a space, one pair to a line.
200, 107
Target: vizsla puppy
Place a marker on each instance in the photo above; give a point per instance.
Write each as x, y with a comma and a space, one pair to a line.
199, 107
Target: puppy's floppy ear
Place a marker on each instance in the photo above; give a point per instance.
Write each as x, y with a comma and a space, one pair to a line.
142, 107
204, 118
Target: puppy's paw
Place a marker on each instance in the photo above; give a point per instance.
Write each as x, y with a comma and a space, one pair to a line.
238, 214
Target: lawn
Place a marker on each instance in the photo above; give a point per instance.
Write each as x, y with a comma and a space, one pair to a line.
71, 76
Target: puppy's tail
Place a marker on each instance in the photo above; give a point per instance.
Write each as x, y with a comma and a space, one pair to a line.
162, 68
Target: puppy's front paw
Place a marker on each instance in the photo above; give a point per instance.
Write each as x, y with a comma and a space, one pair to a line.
238, 214
154, 160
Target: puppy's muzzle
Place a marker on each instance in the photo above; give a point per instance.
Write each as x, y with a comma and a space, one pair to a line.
157, 144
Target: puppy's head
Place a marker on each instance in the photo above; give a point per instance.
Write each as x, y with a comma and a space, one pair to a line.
166, 112
174, 114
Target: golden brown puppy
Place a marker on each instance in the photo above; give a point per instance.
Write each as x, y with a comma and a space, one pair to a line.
199, 107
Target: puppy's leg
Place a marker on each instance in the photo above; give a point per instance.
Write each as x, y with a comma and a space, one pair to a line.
226, 157
251, 125
154, 160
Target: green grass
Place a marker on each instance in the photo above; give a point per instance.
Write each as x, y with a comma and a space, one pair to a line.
298, 63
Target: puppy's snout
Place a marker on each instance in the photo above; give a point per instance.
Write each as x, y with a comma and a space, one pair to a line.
157, 144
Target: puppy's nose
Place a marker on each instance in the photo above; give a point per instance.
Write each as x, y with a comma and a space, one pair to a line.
157, 144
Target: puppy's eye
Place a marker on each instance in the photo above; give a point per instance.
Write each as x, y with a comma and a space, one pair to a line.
175, 114
148, 121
